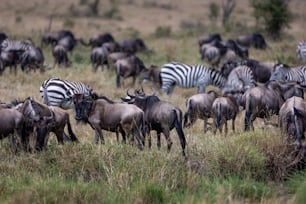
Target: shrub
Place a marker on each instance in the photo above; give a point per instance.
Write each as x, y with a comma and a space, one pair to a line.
213, 11
275, 14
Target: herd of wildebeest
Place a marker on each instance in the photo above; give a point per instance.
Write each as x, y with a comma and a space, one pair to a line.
276, 89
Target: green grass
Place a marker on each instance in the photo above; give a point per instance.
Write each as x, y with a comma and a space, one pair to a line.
243, 167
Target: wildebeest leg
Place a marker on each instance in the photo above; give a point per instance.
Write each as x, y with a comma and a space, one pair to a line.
99, 134
40, 139
134, 81
214, 129
226, 129
13, 143
233, 124
60, 136
158, 140
166, 133
205, 125
138, 138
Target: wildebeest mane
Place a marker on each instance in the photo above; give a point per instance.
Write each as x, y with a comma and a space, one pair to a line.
147, 101
105, 98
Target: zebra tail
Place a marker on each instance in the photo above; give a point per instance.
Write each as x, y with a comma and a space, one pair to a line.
45, 95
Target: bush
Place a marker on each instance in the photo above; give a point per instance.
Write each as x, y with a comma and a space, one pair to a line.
275, 14
213, 11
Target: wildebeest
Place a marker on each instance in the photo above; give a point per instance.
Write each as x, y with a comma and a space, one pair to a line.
132, 45
211, 38
265, 101
60, 56
11, 122
160, 116
128, 67
104, 114
199, 106
292, 123
223, 109
32, 58
54, 36
112, 58
151, 74
98, 40
262, 70
100, 56
47, 119
3, 36
255, 39
9, 59
68, 43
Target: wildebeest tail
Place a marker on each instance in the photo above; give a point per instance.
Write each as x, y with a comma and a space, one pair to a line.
247, 116
179, 129
118, 75
219, 116
186, 115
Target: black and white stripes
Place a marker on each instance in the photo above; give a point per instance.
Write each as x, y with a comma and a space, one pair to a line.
188, 76
283, 72
15, 45
301, 51
59, 92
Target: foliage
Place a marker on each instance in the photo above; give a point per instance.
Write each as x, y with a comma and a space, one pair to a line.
274, 13
213, 11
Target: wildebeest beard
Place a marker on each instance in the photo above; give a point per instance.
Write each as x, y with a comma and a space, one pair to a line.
85, 110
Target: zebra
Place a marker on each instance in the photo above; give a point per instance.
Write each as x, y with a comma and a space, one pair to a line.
8, 45
301, 51
59, 92
188, 76
283, 72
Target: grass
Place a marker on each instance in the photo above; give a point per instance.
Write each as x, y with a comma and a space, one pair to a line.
245, 167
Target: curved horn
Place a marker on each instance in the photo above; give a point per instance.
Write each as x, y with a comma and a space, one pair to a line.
128, 94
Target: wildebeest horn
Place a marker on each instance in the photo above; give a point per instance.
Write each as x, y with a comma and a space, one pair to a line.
128, 94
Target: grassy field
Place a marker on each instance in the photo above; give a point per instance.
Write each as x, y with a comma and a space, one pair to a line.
244, 167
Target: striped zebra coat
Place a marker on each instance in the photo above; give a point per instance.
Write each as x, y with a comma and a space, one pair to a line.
59, 92
240, 78
301, 51
16, 46
282, 72
188, 76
